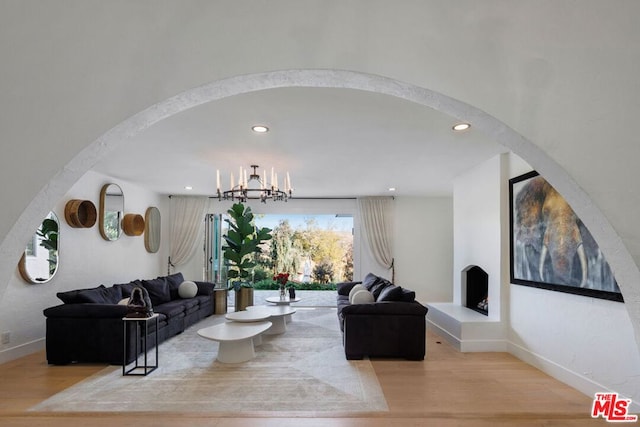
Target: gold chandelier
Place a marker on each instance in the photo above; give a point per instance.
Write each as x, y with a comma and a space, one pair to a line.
253, 187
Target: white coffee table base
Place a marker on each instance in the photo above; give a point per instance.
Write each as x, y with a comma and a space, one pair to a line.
236, 339
277, 315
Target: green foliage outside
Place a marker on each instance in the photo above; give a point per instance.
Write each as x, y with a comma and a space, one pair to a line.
270, 285
324, 255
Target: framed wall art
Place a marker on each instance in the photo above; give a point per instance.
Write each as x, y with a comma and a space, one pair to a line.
550, 247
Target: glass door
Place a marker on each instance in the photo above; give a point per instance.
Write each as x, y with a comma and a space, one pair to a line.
213, 250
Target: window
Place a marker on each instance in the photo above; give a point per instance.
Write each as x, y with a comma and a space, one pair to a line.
311, 248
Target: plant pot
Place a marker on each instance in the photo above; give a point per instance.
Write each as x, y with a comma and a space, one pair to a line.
244, 298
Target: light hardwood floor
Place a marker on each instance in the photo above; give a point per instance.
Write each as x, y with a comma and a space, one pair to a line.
448, 388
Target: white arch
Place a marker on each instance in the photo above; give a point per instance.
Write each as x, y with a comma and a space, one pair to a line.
626, 271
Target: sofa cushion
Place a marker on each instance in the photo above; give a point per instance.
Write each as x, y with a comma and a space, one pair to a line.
127, 288
370, 280
362, 296
408, 296
355, 289
390, 293
100, 295
174, 281
343, 288
158, 290
379, 286
71, 297
171, 309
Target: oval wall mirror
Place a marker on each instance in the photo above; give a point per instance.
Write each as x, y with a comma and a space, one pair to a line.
111, 211
152, 230
40, 259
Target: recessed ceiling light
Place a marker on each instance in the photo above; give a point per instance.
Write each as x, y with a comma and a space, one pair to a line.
459, 127
392, 188
260, 128
188, 187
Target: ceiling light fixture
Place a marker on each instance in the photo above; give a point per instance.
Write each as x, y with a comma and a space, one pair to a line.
188, 187
255, 188
459, 127
259, 128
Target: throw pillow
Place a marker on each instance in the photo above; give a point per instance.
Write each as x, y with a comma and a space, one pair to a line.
124, 301
158, 290
126, 288
379, 286
370, 280
408, 296
187, 289
390, 293
71, 297
355, 289
174, 280
362, 297
100, 295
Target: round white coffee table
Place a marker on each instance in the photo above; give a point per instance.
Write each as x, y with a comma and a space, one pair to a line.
277, 315
246, 316
279, 301
235, 338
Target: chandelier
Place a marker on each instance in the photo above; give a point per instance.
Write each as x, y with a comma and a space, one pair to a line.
255, 188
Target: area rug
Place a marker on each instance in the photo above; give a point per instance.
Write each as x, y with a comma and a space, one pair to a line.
302, 370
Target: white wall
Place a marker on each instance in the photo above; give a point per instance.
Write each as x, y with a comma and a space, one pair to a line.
86, 260
477, 231
424, 246
586, 342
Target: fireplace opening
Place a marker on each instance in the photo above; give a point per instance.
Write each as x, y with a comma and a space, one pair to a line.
475, 287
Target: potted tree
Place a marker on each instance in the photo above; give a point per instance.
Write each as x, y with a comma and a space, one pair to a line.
243, 240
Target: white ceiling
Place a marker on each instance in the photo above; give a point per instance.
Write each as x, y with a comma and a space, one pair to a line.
333, 142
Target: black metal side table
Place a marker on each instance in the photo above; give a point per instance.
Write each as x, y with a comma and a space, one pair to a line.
142, 323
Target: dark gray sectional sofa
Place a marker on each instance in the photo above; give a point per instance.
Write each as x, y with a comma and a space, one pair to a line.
392, 326
88, 327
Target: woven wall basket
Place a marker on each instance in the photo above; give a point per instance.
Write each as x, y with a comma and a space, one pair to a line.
133, 225
80, 213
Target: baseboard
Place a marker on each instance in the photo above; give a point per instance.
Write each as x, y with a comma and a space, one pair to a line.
450, 338
474, 345
562, 374
21, 350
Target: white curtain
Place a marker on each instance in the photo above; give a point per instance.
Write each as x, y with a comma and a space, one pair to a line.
186, 228
376, 217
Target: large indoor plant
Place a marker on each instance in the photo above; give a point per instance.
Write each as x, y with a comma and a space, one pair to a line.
243, 240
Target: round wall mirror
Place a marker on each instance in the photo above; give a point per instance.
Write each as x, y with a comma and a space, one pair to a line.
40, 260
152, 230
111, 211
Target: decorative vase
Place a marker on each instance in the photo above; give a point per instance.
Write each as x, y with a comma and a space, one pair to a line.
292, 292
282, 293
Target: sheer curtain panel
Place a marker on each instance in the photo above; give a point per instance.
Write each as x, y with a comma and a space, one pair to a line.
186, 228
376, 217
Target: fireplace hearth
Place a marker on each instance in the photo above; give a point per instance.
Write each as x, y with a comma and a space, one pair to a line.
475, 287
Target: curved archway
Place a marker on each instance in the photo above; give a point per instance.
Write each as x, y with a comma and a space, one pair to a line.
618, 256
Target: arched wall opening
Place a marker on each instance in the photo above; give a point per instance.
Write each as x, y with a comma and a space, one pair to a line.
626, 271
